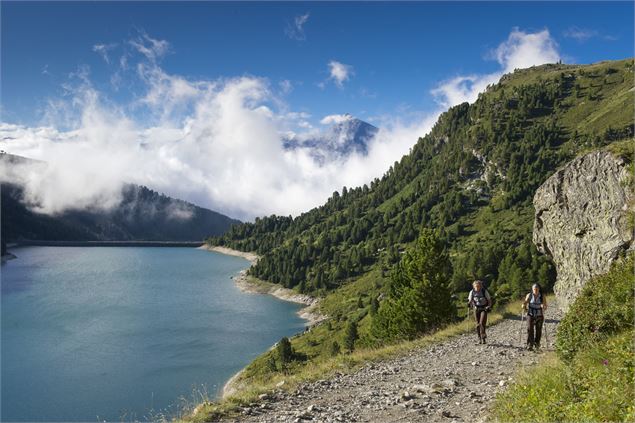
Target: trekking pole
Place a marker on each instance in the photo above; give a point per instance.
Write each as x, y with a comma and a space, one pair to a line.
544, 325
520, 330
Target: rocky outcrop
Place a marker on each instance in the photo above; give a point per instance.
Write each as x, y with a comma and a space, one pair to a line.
582, 219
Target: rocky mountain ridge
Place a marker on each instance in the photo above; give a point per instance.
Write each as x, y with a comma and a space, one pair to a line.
350, 135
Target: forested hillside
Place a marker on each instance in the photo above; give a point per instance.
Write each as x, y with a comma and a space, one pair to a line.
472, 178
142, 215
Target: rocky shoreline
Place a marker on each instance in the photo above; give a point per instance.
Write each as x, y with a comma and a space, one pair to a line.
249, 285
251, 257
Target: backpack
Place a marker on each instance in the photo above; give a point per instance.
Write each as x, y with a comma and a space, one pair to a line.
485, 293
534, 311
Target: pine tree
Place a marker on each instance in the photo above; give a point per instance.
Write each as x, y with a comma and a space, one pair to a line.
374, 306
350, 336
335, 349
420, 295
285, 351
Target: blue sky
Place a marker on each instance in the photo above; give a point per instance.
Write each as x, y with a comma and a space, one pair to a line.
196, 99
397, 52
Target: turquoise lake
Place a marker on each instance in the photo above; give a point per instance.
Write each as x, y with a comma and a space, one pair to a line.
123, 333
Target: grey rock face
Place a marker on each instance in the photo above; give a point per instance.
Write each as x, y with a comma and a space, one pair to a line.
582, 219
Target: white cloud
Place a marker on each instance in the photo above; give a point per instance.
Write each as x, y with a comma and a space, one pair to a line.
520, 50
331, 119
151, 48
216, 143
103, 49
523, 50
339, 72
583, 34
286, 86
580, 34
295, 30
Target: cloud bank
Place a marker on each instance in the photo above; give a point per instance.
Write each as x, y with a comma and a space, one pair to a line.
333, 119
217, 143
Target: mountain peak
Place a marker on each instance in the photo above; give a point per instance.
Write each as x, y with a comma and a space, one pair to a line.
345, 135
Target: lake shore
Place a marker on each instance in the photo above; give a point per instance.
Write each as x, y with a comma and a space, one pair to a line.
252, 285
251, 257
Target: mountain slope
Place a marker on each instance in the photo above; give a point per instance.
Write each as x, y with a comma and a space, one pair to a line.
142, 215
473, 177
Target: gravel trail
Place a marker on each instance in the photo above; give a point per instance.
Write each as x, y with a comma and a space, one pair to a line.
453, 381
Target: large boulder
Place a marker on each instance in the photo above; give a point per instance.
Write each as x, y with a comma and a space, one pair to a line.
582, 219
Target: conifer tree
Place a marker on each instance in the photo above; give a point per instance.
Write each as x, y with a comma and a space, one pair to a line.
419, 295
350, 336
285, 351
335, 349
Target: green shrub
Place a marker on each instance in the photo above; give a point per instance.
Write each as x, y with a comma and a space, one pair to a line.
592, 377
596, 386
350, 336
604, 307
604, 377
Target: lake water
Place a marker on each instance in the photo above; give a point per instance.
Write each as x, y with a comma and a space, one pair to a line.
121, 333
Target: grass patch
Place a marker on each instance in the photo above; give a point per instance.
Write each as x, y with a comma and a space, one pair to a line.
596, 387
624, 149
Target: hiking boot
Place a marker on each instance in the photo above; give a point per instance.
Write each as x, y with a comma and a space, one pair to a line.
484, 340
529, 347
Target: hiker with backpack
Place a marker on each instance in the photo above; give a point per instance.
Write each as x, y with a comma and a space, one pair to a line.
480, 299
535, 305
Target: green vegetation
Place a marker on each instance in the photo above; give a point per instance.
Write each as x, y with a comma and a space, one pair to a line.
603, 308
592, 378
351, 336
472, 181
285, 351
473, 177
130, 220
419, 296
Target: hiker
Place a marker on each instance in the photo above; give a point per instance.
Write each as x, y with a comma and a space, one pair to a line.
535, 305
480, 299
